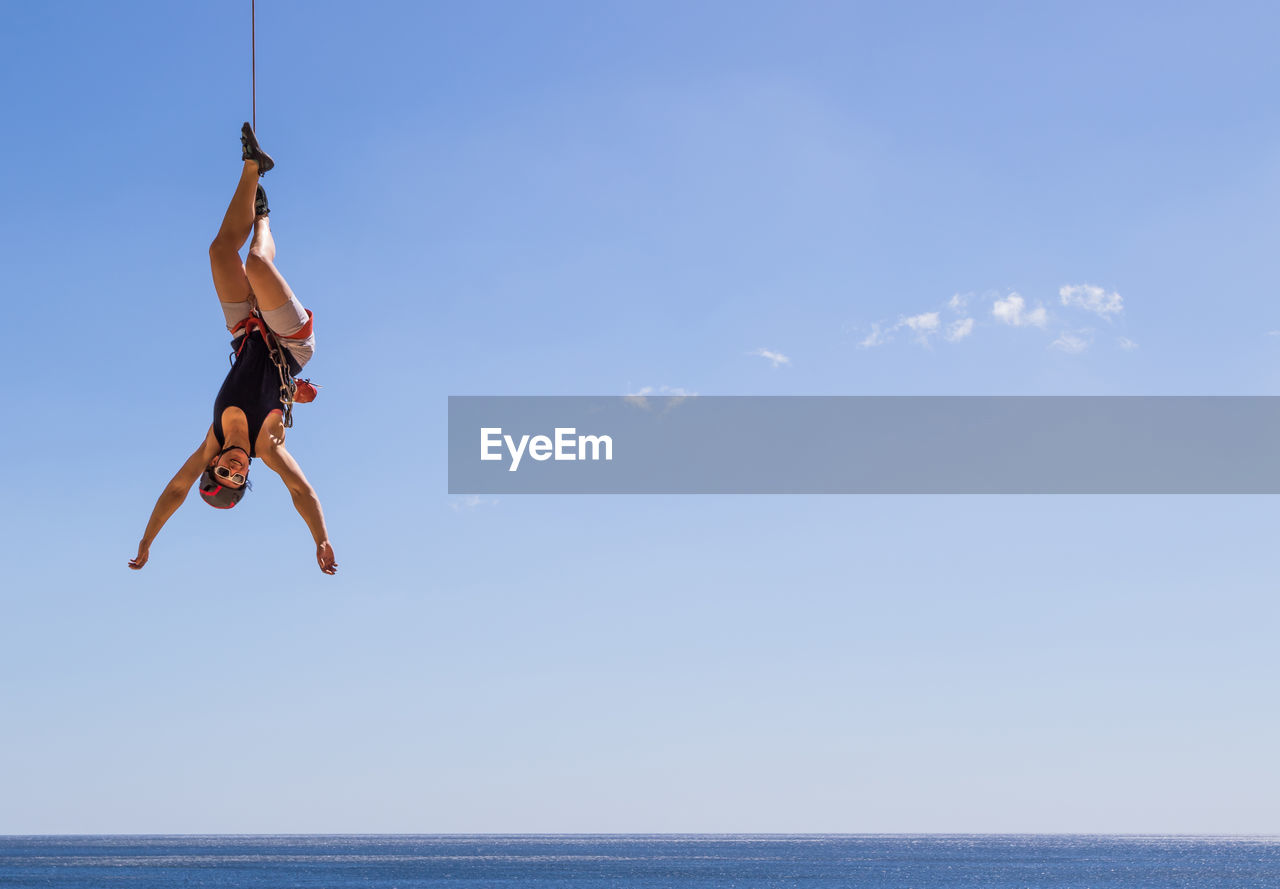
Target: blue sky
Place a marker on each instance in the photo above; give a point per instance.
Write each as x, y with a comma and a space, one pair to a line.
574, 198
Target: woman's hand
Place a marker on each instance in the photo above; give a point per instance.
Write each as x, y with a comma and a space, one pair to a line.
173, 495
305, 500
324, 558
144, 552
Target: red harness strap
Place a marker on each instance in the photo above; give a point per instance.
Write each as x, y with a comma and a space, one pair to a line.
248, 326
255, 322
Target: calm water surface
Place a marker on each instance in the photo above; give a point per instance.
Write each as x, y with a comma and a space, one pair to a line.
590, 862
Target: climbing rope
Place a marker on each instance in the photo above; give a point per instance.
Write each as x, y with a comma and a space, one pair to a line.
253, 59
288, 385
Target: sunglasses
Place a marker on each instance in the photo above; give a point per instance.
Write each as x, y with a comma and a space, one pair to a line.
226, 474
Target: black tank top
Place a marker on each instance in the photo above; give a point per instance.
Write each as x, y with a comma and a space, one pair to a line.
252, 384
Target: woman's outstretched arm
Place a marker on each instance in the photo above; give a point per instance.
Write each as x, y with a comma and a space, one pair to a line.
171, 498
305, 502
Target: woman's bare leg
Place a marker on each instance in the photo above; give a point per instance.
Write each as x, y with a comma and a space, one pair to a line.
229, 278
268, 285
263, 244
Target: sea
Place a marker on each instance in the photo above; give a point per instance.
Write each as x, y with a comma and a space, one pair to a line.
641, 861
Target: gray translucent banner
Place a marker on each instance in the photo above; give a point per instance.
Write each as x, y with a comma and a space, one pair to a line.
864, 445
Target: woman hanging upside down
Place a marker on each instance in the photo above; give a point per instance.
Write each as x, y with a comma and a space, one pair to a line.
248, 418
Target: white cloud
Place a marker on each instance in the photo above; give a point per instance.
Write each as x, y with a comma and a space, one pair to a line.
660, 390
470, 502
1012, 311
776, 358
922, 327
924, 324
877, 337
1092, 299
958, 330
1070, 343
673, 394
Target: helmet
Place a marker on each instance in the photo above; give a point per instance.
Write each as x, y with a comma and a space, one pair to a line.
217, 494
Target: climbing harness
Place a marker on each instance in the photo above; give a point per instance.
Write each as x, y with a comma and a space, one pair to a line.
292, 391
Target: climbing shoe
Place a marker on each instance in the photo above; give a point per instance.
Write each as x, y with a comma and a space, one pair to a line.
253, 151
260, 207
